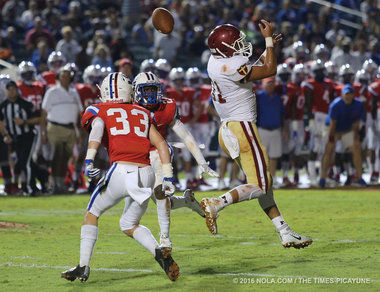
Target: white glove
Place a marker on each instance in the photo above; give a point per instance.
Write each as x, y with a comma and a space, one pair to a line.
204, 168
168, 186
89, 170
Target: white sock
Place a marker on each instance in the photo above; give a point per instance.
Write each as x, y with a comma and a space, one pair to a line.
143, 236
177, 202
311, 169
189, 176
88, 236
239, 194
278, 222
163, 212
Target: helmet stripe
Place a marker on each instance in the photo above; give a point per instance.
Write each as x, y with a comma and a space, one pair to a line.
111, 94
147, 75
116, 93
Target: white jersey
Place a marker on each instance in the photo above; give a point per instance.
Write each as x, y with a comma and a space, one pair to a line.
233, 99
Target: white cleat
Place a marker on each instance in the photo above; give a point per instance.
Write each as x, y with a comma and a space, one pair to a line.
192, 203
289, 238
211, 211
165, 241
222, 185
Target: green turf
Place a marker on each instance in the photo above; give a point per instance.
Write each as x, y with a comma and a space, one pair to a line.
344, 225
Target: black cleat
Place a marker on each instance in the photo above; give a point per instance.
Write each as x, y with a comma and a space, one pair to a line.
82, 273
164, 258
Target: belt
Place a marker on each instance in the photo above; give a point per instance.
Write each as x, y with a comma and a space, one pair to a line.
69, 126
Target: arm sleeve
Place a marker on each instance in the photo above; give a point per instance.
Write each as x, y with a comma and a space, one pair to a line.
97, 129
334, 113
188, 139
241, 72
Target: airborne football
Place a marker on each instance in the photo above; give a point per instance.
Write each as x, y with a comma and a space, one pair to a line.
238, 151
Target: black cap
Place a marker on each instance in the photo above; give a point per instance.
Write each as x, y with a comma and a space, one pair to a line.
11, 83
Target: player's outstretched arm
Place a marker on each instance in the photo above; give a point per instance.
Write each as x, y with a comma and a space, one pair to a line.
94, 140
181, 131
269, 68
163, 151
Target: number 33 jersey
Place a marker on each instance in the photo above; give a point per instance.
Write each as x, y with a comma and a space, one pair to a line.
126, 130
234, 99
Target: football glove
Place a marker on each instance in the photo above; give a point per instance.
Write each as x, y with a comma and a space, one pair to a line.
89, 170
204, 168
168, 186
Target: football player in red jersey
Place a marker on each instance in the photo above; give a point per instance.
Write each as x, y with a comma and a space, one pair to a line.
162, 70
332, 72
164, 112
346, 76
130, 174
374, 93
371, 68
189, 110
55, 61
318, 92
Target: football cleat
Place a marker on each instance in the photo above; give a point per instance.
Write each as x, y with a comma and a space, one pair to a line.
165, 241
192, 203
289, 238
164, 258
211, 211
222, 185
81, 273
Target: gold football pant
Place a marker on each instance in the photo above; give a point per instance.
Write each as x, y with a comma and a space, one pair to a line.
253, 158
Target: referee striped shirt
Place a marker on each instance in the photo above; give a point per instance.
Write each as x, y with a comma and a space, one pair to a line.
21, 108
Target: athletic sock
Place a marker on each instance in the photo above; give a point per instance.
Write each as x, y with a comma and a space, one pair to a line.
143, 236
239, 194
88, 237
311, 169
163, 212
189, 176
177, 202
279, 222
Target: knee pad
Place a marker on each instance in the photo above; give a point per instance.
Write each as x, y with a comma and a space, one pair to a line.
267, 200
127, 226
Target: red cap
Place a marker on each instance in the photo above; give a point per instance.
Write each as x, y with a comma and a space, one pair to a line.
124, 61
269, 79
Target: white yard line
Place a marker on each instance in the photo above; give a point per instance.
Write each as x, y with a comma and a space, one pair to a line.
10, 264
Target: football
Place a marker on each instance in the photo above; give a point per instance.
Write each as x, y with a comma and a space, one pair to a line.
163, 20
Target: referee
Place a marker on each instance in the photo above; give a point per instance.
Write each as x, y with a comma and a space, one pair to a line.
17, 127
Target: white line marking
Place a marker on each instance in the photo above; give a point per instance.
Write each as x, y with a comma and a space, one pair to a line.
10, 264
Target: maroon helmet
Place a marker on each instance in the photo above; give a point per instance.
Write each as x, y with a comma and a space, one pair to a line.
226, 41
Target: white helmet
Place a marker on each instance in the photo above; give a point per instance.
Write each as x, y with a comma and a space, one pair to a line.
55, 61
362, 77
27, 72
4, 79
317, 68
331, 68
105, 71
299, 73
176, 73
346, 70
147, 65
299, 51
283, 72
370, 67
321, 52
150, 98
162, 68
194, 77
116, 88
92, 75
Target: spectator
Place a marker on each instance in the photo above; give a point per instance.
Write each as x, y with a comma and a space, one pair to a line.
12, 11
333, 34
19, 130
61, 109
347, 57
28, 15
270, 114
37, 33
286, 13
167, 48
125, 67
345, 114
119, 47
138, 31
40, 56
102, 56
68, 46
5, 50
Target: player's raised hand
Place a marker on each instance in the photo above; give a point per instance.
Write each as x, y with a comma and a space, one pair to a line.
204, 168
277, 38
266, 28
168, 186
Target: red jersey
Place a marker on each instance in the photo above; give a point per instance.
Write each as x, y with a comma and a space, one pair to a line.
362, 93
87, 95
33, 93
322, 93
295, 97
203, 97
49, 77
374, 91
282, 90
184, 100
164, 115
126, 128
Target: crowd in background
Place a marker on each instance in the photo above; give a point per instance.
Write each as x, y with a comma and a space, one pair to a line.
97, 37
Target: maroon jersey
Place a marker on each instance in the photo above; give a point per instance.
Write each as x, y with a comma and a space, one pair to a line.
362, 92
374, 92
203, 97
322, 93
184, 100
87, 95
33, 93
49, 77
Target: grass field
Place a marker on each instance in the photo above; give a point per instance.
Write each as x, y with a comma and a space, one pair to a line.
344, 225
